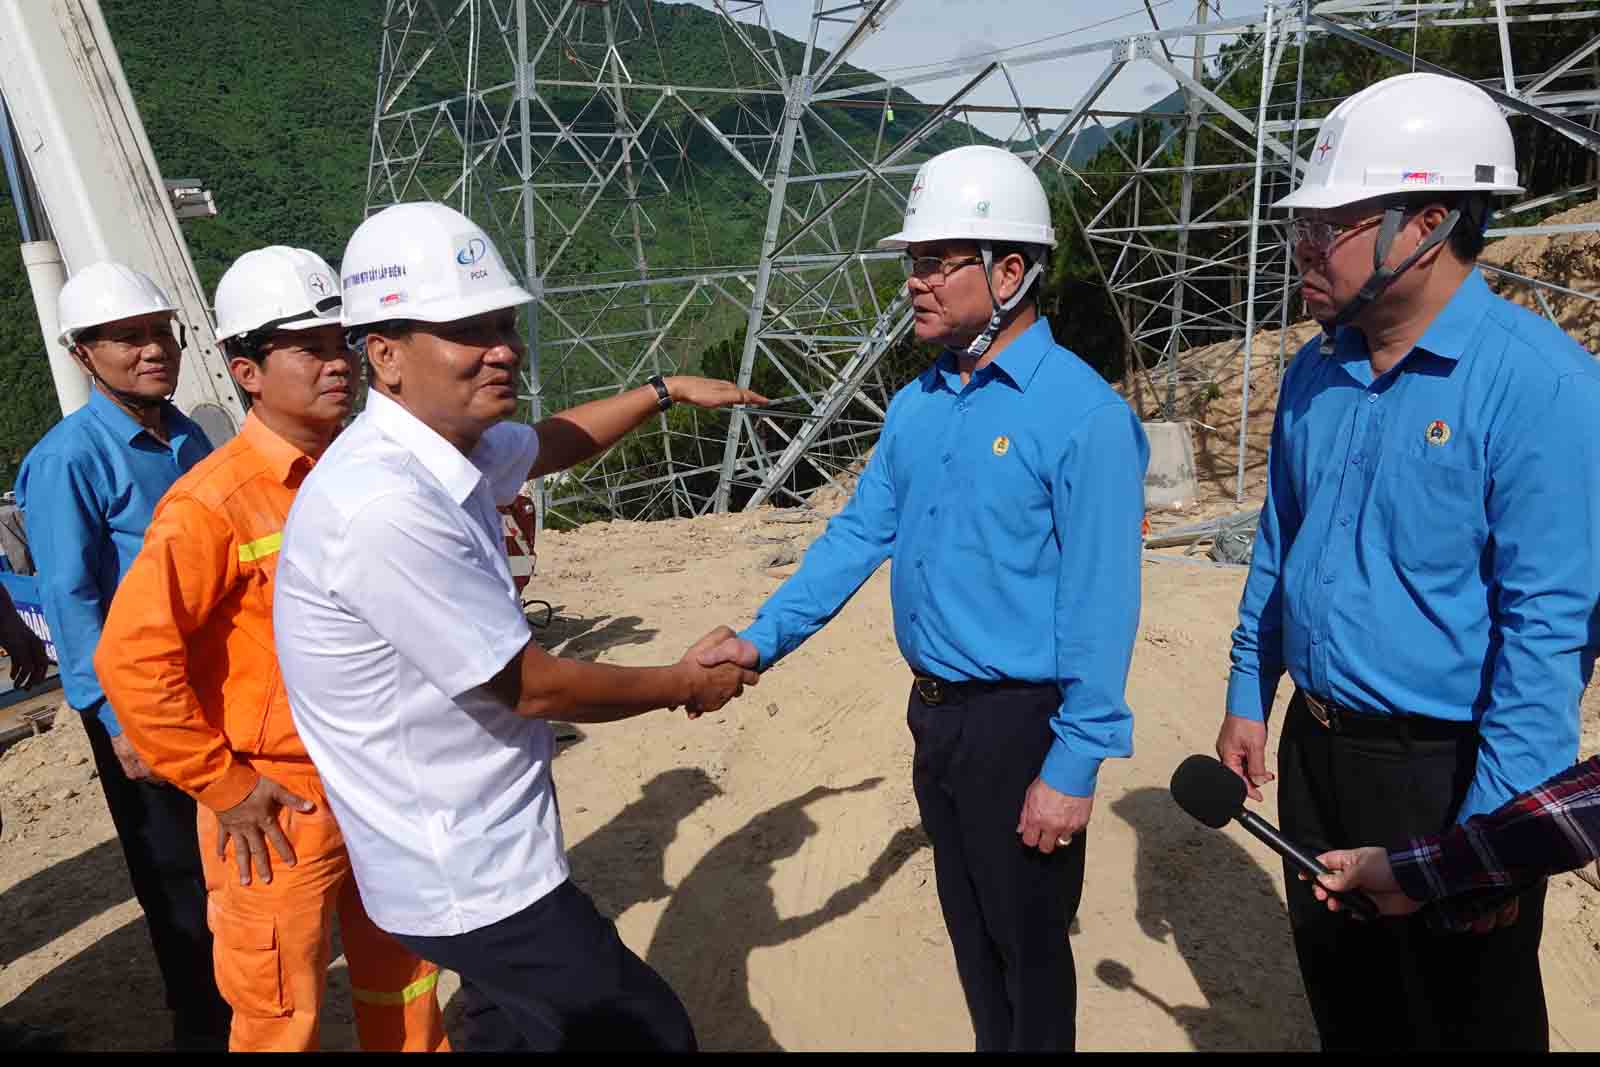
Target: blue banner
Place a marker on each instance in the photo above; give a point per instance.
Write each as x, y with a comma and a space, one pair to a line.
24, 590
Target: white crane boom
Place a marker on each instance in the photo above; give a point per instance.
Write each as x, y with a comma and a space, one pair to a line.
82, 147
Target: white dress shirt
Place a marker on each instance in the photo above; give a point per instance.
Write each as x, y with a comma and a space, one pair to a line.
394, 605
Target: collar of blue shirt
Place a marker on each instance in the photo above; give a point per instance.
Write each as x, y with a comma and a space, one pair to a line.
128, 428
1016, 363
1451, 332
458, 474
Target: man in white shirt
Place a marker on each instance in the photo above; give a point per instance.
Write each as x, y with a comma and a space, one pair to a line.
411, 673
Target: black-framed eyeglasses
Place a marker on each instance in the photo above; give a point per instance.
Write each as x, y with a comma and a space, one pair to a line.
933, 271
1320, 235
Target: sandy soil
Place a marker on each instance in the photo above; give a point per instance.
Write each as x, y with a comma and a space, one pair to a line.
768, 859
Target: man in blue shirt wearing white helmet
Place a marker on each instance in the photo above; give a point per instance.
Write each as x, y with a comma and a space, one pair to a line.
1007, 485
87, 490
1425, 568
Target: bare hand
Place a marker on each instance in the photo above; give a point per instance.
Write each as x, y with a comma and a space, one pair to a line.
722, 648
1242, 748
252, 822
722, 645
710, 392
133, 765
1361, 870
29, 662
1050, 819
715, 686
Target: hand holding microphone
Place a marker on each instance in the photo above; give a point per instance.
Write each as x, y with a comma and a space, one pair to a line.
1213, 794
1366, 870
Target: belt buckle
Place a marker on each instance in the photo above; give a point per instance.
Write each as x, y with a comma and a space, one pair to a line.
1322, 713
931, 690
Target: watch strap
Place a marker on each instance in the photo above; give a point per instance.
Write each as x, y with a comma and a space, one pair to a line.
663, 397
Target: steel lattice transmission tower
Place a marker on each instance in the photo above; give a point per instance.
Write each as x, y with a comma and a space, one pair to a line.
594, 180
573, 132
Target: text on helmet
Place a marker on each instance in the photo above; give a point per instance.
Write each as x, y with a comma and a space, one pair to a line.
365, 277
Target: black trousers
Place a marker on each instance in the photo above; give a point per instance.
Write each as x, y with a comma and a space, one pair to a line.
1007, 907
555, 977
156, 827
1397, 983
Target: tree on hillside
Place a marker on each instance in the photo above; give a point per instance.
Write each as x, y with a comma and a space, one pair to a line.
1085, 320
271, 104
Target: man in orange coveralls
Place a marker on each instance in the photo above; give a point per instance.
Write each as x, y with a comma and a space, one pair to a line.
188, 660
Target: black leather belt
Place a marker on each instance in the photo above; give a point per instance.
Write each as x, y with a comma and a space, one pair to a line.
936, 691
1339, 719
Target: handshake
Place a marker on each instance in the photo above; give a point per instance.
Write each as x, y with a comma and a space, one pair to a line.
719, 666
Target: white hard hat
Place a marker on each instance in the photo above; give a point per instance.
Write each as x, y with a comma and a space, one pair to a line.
975, 193
106, 292
1407, 134
277, 286
426, 262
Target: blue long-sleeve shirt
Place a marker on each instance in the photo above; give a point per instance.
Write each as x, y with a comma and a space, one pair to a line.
1011, 507
87, 491
1429, 539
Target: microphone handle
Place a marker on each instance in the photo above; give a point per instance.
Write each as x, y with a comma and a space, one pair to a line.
1269, 836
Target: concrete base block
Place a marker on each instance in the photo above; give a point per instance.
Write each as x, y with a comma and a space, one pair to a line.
1170, 481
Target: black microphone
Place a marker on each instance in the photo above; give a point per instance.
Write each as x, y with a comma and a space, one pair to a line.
1213, 794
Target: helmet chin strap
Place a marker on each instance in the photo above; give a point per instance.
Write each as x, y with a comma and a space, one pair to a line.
1382, 277
123, 396
981, 343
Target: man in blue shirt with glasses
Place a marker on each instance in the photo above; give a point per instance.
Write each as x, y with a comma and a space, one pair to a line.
1008, 486
87, 490
1425, 568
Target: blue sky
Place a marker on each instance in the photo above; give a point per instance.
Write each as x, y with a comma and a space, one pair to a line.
935, 31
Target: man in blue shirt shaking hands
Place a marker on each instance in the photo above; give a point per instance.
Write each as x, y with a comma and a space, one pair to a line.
1008, 486
1425, 568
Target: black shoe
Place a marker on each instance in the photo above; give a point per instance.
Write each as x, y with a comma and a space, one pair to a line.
22, 1037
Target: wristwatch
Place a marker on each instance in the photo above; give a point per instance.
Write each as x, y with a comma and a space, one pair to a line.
663, 397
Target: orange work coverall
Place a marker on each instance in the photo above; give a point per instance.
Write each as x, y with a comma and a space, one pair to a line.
187, 659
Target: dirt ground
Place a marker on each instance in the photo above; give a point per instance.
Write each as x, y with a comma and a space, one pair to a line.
768, 860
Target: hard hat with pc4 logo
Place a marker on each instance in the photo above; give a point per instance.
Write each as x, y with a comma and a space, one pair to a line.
425, 262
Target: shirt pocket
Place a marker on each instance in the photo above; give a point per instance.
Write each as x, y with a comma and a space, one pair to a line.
1431, 504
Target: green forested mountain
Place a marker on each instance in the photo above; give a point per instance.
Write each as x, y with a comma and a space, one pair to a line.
268, 103
271, 105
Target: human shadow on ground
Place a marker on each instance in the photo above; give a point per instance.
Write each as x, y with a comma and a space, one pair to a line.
108, 997
585, 637
623, 863
61, 897
725, 909
1202, 892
